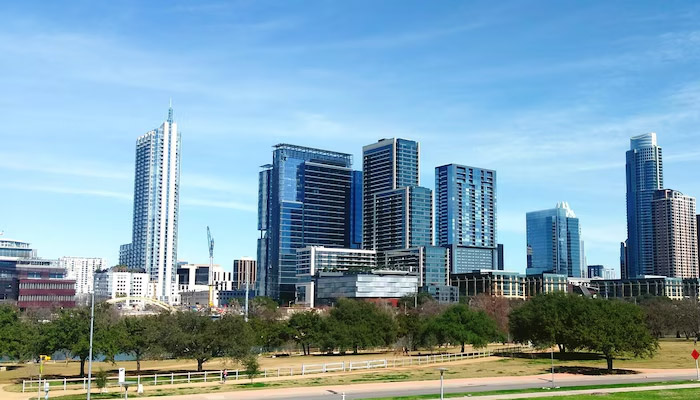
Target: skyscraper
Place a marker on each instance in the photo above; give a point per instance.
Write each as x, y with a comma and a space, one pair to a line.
554, 242
387, 165
156, 200
82, 269
304, 200
675, 234
644, 169
466, 216
403, 218
356, 210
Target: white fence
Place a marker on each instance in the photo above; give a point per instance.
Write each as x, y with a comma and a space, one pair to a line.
305, 369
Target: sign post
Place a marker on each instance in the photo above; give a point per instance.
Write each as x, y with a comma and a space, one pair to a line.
695, 355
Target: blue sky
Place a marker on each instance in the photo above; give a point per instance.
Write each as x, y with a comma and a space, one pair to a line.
546, 93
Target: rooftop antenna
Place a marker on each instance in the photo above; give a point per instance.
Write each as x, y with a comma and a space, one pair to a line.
170, 111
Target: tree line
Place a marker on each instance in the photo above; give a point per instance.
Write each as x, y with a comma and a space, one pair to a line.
572, 323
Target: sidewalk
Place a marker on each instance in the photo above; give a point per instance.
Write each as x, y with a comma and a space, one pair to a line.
587, 391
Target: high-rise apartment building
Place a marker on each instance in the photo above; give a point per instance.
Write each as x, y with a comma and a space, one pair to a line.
554, 242
465, 199
244, 271
82, 270
156, 202
644, 168
304, 200
387, 165
675, 234
403, 218
356, 210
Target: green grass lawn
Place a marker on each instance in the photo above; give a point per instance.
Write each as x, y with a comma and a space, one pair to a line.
675, 394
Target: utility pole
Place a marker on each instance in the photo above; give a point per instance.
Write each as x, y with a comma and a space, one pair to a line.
210, 243
247, 288
92, 330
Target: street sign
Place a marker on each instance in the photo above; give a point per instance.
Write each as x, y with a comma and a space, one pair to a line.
695, 354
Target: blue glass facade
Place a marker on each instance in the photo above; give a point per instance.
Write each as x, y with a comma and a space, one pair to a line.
554, 242
644, 170
403, 218
309, 196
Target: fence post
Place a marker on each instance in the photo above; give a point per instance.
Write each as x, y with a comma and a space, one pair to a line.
236, 374
221, 376
138, 380
265, 372
172, 378
205, 376
65, 384
23, 385
343, 366
188, 377
291, 371
155, 380
84, 383
303, 369
278, 372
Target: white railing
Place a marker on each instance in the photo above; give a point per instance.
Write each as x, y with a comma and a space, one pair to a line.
305, 369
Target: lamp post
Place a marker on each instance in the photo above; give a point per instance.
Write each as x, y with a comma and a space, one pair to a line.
442, 388
92, 330
552, 355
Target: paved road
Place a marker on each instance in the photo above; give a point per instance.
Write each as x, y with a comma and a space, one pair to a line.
374, 390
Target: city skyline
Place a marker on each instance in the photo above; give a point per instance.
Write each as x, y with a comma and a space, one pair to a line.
554, 124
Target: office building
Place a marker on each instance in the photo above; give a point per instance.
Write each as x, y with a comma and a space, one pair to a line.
314, 260
31, 282
244, 271
82, 270
554, 242
387, 165
595, 271
675, 234
623, 260
304, 200
507, 284
383, 286
644, 170
430, 263
403, 218
156, 202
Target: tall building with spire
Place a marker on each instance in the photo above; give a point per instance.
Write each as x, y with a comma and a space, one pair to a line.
645, 175
156, 201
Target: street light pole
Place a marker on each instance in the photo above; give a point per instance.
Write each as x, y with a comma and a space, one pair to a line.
92, 330
552, 354
442, 388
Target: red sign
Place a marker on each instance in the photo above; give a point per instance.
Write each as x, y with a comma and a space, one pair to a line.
695, 354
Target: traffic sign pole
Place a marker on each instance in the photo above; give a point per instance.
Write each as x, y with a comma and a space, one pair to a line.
695, 355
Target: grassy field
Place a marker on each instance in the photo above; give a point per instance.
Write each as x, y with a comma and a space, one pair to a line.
676, 394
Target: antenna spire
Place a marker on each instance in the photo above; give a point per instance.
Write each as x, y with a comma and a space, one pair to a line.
170, 111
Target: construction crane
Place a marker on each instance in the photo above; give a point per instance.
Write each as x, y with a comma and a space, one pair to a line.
210, 243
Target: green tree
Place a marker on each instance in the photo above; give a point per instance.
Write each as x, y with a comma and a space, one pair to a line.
356, 324
617, 328
660, 315
269, 334
252, 366
686, 317
141, 337
13, 334
459, 324
551, 319
235, 337
305, 329
190, 335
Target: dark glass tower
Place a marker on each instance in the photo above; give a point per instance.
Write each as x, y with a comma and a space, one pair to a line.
645, 176
304, 200
554, 242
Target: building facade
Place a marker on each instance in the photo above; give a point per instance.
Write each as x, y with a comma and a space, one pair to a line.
304, 200
387, 165
82, 270
675, 234
374, 286
644, 171
554, 242
244, 271
314, 260
118, 282
156, 204
356, 210
403, 218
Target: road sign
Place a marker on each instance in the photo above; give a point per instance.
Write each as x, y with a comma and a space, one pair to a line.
122, 376
695, 354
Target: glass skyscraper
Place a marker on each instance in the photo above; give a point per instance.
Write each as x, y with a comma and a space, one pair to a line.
156, 202
645, 175
465, 208
554, 242
356, 210
304, 200
387, 165
404, 218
